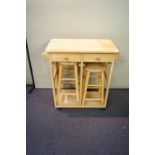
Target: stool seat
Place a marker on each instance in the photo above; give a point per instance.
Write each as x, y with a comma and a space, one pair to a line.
95, 67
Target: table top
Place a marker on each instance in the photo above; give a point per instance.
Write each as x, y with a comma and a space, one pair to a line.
81, 46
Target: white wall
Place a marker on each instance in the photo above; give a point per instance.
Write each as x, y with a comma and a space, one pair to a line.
48, 19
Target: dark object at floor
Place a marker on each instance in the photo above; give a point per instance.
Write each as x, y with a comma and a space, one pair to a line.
31, 70
77, 131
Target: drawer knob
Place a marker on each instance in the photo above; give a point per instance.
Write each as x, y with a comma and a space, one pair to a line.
66, 58
98, 59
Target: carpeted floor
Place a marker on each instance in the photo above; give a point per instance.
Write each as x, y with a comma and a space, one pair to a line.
77, 131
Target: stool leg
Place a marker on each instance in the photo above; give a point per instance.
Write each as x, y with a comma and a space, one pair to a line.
102, 88
85, 86
59, 83
76, 81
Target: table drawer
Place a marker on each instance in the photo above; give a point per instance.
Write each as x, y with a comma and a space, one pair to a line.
98, 57
65, 57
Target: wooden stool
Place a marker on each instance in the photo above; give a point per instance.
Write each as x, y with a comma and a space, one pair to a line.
98, 69
71, 67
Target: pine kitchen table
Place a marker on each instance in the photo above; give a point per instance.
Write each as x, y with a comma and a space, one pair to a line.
81, 51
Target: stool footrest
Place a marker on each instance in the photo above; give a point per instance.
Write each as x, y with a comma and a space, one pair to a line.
93, 99
94, 85
68, 92
67, 79
70, 82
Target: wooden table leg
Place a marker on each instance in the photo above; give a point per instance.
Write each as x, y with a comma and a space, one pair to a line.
76, 81
81, 80
59, 84
52, 81
108, 83
102, 88
56, 75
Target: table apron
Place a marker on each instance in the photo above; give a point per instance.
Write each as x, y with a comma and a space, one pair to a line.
65, 57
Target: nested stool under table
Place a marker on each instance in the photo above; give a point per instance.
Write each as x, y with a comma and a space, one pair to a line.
97, 69
74, 68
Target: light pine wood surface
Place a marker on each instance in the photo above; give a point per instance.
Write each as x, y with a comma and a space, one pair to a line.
81, 46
